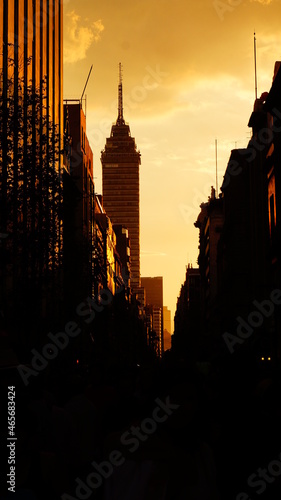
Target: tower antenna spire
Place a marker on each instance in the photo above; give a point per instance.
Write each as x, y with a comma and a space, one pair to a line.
255, 57
120, 119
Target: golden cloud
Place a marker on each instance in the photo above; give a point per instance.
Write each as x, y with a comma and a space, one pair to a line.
264, 2
78, 38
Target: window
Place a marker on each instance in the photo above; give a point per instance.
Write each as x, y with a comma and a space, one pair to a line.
272, 214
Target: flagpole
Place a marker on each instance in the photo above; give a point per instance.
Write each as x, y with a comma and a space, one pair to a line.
255, 57
216, 168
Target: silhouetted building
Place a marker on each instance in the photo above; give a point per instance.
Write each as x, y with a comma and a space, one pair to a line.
100, 266
118, 275
153, 322
233, 249
120, 179
109, 248
108, 264
78, 211
124, 250
246, 242
31, 144
210, 223
157, 327
186, 339
244, 245
154, 298
31, 48
272, 107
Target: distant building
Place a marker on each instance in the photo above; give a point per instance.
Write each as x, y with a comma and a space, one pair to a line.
154, 290
120, 180
210, 223
100, 264
187, 338
157, 327
111, 268
167, 326
153, 322
154, 298
109, 247
124, 250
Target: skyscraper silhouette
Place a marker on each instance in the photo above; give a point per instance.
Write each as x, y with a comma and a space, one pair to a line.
120, 178
31, 165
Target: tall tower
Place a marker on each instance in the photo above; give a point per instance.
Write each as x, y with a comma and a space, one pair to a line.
120, 179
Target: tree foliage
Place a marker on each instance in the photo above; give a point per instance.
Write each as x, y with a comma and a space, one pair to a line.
30, 192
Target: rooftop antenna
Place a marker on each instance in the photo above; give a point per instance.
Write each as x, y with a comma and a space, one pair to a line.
120, 119
86, 85
255, 57
216, 146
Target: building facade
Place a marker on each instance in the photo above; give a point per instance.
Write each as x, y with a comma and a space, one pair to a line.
109, 246
31, 163
210, 224
121, 188
78, 211
124, 250
239, 235
154, 299
187, 338
272, 107
167, 325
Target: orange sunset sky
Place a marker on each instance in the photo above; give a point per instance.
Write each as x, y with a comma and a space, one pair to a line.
188, 78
